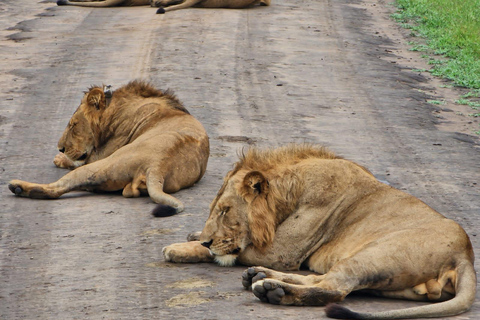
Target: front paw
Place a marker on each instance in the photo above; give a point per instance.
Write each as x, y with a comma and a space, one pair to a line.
62, 161
187, 252
252, 275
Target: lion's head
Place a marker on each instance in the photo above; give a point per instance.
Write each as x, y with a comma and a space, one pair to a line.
78, 140
257, 195
234, 223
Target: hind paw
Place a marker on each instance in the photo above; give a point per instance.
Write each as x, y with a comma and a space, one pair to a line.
269, 291
29, 190
252, 275
16, 188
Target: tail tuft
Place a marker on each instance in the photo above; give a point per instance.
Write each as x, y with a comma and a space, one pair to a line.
62, 2
162, 210
336, 311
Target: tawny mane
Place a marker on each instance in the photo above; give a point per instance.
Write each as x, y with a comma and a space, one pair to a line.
267, 159
144, 89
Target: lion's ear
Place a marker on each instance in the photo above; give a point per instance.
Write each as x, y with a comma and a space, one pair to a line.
255, 184
96, 99
261, 210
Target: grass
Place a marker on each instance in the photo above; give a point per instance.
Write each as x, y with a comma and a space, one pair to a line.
448, 33
437, 102
449, 29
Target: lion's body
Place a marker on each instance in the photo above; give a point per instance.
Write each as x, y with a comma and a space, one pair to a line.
141, 141
301, 205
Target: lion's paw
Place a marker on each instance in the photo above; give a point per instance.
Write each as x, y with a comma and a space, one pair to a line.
172, 253
16, 187
252, 275
268, 291
28, 190
62, 161
187, 252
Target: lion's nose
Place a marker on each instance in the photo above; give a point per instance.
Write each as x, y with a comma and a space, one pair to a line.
207, 244
62, 150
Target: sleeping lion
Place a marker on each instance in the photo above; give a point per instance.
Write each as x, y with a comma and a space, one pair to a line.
302, 205
137, 139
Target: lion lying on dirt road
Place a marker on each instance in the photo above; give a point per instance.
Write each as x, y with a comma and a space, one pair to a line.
170, 5
302, 205
137, 138
167, 5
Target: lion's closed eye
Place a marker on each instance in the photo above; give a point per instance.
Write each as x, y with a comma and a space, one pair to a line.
224, 211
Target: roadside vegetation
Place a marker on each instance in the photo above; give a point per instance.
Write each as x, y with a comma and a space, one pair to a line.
448, 33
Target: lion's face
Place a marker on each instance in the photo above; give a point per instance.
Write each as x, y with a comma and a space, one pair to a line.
226, 230
238, 218
78, 139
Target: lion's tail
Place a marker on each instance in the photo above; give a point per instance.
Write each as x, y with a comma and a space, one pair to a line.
162, 210
463, 300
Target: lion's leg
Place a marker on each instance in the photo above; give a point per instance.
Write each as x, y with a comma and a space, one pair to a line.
132, 190
100, 175
279, 292
333, 286
183, 5
155, 182
411, 294
254, 274
187, 252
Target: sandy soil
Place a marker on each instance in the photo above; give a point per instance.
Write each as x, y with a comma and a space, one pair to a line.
337, 73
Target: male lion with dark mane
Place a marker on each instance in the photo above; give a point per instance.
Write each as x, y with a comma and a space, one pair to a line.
302, 205
137, 139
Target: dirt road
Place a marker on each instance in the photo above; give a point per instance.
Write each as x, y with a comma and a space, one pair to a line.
326, 72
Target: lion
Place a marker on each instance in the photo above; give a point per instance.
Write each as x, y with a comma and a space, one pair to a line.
137, 139
167, 5
170, 5
303, 206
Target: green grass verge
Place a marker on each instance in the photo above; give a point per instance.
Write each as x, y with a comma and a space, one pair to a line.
451, 33
449, 38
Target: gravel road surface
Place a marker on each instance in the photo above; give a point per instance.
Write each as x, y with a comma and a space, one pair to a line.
333, 72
